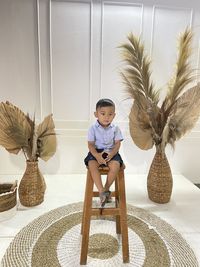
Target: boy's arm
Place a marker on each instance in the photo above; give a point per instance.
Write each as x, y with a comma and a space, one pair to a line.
98, 156
114, 150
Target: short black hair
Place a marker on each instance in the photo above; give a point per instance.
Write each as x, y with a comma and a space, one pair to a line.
105, 102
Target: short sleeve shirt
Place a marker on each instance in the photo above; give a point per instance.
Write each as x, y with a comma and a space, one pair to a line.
104, 138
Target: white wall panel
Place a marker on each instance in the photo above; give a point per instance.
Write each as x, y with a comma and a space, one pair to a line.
19, 66
70, 59
168, 22
44, 56
118, 20
196, 26
61, 56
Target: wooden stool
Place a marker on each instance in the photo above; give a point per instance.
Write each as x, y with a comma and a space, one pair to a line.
119, 211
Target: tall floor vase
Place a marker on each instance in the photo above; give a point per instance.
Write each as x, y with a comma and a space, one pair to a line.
159, 180
32, 186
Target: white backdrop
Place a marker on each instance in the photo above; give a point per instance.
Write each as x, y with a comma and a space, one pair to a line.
61, 56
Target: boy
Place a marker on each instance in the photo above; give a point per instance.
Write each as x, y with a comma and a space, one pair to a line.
104, 139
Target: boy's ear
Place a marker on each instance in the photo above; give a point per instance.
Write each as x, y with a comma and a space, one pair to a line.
95, 114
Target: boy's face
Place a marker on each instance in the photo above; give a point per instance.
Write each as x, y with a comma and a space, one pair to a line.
105, 115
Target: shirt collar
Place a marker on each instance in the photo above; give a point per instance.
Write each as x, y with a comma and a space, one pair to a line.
97, 124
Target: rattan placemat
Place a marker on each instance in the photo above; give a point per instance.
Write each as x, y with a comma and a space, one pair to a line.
54, 240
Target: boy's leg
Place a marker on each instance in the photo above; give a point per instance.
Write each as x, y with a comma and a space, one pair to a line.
114, 167
93, 166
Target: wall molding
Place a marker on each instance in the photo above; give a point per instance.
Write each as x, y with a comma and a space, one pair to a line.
114, 3
166, 7
39, 59
90, 44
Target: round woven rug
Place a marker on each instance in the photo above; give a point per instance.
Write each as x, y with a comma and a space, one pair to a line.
54, 240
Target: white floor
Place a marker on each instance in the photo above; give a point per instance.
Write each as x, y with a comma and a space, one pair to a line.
182, 212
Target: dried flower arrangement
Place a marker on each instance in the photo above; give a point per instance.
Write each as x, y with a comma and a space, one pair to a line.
152, 123
19, 132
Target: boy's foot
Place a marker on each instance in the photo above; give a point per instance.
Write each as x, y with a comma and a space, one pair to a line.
108, 195
103, 198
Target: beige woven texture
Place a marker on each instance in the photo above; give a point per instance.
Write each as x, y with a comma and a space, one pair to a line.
159, 180
54, 238
8, 198
32, 186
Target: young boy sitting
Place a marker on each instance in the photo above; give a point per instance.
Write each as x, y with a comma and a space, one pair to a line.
104, 139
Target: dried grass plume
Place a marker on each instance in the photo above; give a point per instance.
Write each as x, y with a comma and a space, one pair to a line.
152, 124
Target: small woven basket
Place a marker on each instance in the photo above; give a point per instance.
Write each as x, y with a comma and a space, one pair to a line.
159, 180
8, 196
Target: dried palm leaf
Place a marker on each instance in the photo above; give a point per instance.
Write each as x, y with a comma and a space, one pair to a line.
140, 129
15, 130
46, 127
46, 138
32, 144
18, 131
47, 146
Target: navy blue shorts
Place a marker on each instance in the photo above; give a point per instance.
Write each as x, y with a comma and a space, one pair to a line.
89, 157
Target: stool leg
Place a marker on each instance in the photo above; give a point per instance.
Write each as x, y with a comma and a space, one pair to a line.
123, 217
86, 219
84, 204
118, 226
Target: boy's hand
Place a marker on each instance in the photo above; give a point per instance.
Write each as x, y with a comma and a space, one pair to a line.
100, 159
108, 156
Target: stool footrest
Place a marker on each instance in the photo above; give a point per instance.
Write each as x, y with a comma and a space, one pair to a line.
96, 194
105, 211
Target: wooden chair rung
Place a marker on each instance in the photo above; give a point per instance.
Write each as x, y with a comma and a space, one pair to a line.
96, 194
105, 211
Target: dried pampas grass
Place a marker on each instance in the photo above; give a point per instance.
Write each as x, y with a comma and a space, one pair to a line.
149, 123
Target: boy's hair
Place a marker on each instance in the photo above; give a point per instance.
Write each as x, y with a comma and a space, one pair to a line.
105, 102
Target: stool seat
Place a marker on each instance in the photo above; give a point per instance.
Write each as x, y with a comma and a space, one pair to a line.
119, 211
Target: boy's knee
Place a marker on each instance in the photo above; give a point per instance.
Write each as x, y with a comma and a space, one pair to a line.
114, 165
92, 164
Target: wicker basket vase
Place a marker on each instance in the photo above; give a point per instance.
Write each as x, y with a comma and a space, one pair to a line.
32, 186
159, 180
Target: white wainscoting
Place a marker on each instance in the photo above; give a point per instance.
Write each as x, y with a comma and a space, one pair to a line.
60, 57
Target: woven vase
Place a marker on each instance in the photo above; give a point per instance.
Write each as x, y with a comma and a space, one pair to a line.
159, 180
32, 186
